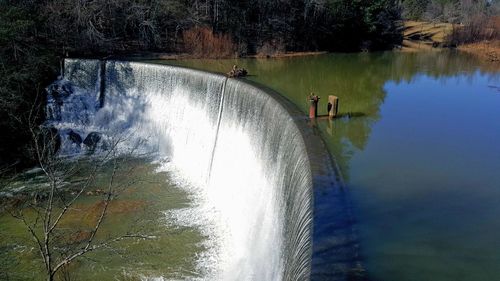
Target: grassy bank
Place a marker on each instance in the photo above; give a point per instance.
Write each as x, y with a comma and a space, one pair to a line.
420, 35
486, 50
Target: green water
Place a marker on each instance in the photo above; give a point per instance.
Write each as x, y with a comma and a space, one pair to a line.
419, 148
144, 197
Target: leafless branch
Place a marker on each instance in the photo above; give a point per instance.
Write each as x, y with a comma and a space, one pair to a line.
87, 248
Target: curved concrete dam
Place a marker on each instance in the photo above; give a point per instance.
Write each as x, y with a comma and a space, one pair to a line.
281, 211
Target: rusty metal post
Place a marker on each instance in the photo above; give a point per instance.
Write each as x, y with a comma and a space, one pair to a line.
312, 110
313, 106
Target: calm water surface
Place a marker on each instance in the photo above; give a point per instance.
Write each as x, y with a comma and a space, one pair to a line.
418, 144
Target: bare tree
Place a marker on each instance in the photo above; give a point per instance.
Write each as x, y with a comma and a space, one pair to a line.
451, 12
52, 204
434, 12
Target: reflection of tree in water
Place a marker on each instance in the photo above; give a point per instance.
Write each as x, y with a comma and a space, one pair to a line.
357, 79
363, 93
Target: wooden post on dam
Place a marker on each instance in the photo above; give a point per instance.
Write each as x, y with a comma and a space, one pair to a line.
333, 106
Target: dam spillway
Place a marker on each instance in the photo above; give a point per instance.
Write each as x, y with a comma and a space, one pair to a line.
243, 147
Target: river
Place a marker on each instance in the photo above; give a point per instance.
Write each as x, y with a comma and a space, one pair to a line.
417, 142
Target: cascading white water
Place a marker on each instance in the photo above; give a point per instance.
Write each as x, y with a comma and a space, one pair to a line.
236, 143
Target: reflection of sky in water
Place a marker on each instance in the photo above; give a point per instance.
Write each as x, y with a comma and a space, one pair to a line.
427, 183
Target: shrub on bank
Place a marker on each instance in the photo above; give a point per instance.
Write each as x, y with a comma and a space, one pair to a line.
202, 42
478, 29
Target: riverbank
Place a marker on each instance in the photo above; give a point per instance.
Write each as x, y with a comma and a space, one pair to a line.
287, 55
486, 50
183, 56
426, 36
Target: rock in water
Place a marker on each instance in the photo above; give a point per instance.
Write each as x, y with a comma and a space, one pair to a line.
92, 139
59, 91
237, 72
75, 137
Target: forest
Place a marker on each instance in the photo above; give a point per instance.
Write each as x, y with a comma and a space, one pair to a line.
36, 34
450, 11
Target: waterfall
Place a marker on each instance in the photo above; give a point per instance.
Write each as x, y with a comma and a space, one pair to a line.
261, 165
237, 143
218, 125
